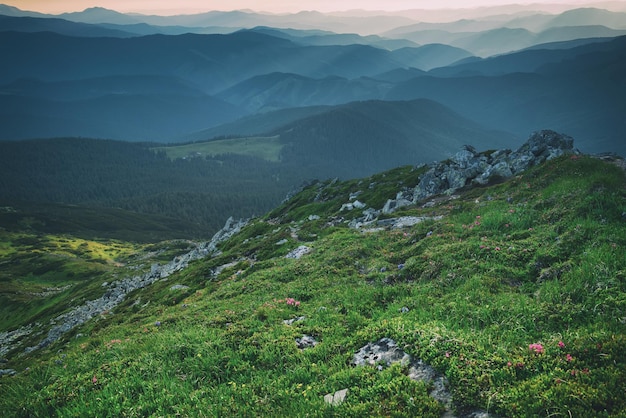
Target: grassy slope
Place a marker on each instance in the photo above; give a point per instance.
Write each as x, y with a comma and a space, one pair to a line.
538, 259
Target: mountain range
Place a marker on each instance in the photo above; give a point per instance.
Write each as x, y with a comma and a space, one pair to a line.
104, 74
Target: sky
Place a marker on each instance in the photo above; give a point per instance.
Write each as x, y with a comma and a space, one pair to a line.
170, 7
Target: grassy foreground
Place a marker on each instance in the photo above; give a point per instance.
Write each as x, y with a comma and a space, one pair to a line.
517, 295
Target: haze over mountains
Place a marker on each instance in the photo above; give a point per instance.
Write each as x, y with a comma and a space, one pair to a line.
104, 74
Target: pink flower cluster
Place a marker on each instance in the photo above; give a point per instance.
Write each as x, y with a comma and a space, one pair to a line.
536, 348
292, 302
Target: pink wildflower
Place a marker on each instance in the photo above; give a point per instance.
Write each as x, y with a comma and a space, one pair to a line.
94, 380
447, 354
536, 348
569, 357
509, 364
561, 344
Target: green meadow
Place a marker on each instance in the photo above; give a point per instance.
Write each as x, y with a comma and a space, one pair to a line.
266, 148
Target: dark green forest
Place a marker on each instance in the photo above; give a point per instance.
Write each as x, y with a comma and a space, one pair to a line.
130, 176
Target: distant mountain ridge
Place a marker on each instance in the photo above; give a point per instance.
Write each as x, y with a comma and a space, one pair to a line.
199, 83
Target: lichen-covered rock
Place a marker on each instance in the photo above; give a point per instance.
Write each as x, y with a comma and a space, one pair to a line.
386, 352
298, 252
336, 398
305, 342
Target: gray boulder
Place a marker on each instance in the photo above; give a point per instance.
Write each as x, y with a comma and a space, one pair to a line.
336, 398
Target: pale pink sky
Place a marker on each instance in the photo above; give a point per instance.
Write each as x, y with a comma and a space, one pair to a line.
167, 7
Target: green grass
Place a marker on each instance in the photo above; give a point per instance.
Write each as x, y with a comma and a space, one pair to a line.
266, 148
539, 259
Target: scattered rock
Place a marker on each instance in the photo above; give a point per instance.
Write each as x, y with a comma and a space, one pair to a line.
292, 320
355, 194
336, 398
394, 204
298, 252
11, 338
383, 351
179, 287
352, 205
306, 342
408, 221
7, 372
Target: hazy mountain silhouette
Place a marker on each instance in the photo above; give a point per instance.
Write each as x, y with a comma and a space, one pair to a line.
135, 108
282, 90
358, 136
100, 15
502, 34
213, 62
132, 117
61, 26
102, 79
319, 37
579, 91
42, 23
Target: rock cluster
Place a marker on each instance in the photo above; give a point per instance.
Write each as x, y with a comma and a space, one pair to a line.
469, 167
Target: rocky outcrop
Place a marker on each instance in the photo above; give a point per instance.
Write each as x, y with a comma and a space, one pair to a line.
469, 167
117, 291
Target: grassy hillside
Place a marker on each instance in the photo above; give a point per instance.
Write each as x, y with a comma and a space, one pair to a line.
517, 294
54, 256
